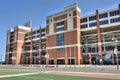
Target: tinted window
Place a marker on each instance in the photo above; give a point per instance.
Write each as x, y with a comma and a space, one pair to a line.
60, 23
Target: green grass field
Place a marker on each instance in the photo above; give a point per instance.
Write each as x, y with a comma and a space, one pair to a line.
42, 76
11, 72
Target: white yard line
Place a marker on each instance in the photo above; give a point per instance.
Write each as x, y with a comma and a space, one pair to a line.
18, 75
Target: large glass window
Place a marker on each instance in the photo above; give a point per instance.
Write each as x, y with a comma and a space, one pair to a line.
114, 13
93, 24
83, 20
84, 26
35, 36
103, 22
60, 23
38, 31
92, 18
43, 30
104, 15
60, 39
34, 32
59, 29
42, 35
114, 20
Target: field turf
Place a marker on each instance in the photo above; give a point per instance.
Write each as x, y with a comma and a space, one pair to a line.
51, 77
11, 72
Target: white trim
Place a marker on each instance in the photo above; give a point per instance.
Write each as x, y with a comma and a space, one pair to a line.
28, 41
24, 27
35, 39
21, 32
64, 46
43, 37
71, 57
60, 26
19, 41
64, 19
61, 58
63, 31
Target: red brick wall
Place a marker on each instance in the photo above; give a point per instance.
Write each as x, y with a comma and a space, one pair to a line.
60, 17
51, 41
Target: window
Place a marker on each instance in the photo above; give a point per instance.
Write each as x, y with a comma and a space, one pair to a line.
38, 31
60, 39
69, 14
35, 36
84, 26
60, 61
92, 18
114, 13
92, 24
42, 35
59, 29
104, 15
103, 22
114, 20
51, 20
38, 36
60, 23
83, 20
43, 30
34, 32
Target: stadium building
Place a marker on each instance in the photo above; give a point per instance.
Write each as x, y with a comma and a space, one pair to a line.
67, 38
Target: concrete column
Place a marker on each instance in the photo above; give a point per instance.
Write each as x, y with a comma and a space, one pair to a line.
77, 37
90, 58
34, 59
40, 52
55, 56
31, 60
113, 62
6, 58
26, 60
99, 35
66, 58
47, 57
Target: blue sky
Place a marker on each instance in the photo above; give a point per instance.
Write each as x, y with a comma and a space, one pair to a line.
17, 12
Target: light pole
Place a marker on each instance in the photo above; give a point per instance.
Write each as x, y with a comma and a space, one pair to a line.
116, 52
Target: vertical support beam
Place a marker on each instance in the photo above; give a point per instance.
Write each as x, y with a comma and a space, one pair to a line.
99, 35
31, 56
90, 58
55, 56
66, 42
40, 46
27, 60
113, 61
34, 59
78, 40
